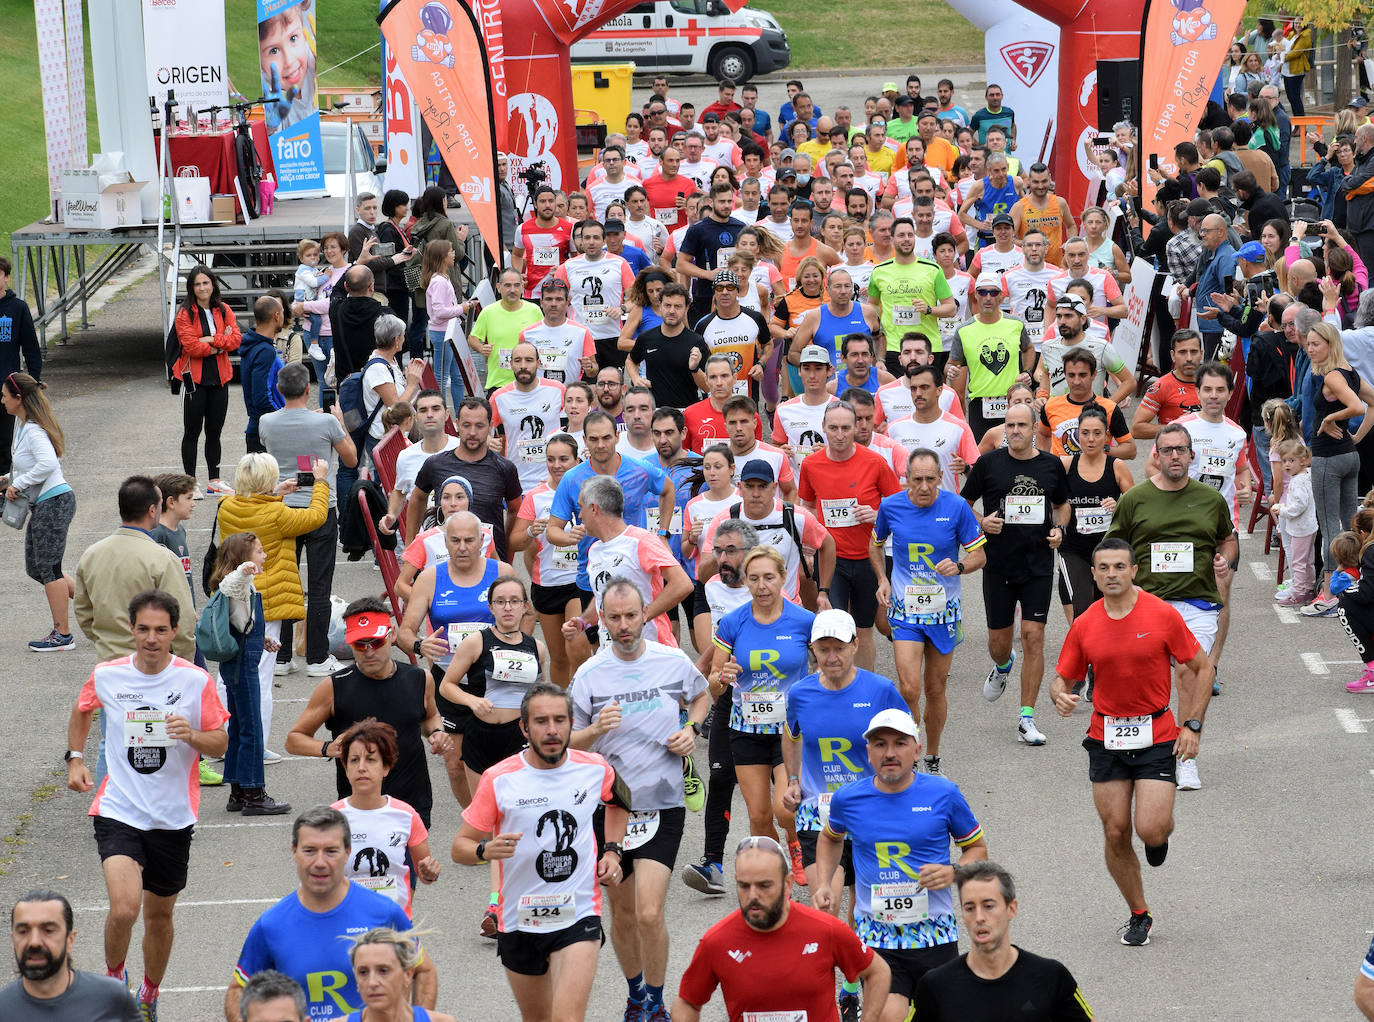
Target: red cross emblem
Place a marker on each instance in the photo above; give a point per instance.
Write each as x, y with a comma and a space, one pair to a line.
1027, 60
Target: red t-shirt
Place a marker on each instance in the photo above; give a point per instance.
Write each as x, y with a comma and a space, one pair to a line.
706, 426
1171, 398
834, 487
543, 249
787, 970
1132, 670
663, 197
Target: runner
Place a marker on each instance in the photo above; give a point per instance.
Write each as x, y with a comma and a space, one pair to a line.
1129, 639
1016, 483
740, 334
900, 824
706, 249
945, 252
839, 317
894, 399
1174, 394
146, 807
597, 285
797, 425
524, 412
1026, 287
989, 353
1106, 301
929, 527
684, 468
542, 242
1057, 430
626, 701
1070, 331
706, 419
718, 492
859, 371
429, 548
933, 429
531, 816
499, 326
567, 350
988, 201
910, 293
637, 439
1017, 394
384, 964
1097, 479
1041, 210
742, 429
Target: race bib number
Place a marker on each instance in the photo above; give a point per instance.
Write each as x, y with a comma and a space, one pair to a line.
947, 327
905, 315
899, 904
531, 450
840, 514
1171, 558
541, 913
545, 257
740, 387
146, 729
651, 520
1091, 520
640, 830
514, 665
775, 1016
1128, 732
460, 631
823, 807
760, 708
1213, 461
597, 314
924, 600
550, 359
565, 558
666, 216
503, 357
994, 408
1025, 510
723, 257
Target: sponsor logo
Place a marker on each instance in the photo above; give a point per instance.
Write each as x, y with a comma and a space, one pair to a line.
1027, 60
739, 956
812, 948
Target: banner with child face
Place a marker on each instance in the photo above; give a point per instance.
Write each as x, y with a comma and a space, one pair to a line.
286, 72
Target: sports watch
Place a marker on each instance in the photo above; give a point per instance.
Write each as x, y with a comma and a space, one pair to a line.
1193, 725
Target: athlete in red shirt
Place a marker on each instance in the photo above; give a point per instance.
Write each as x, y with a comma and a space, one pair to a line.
541, 243
776, 958
1174, 394
1129, 638
706, 418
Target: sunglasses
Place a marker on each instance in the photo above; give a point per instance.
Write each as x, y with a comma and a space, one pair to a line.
989, 291
369, 643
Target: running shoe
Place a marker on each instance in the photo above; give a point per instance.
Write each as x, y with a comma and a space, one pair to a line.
798, 870
208, 777
1364, 683
658, 1013
693, 791
1027, 732
53, 642
270, 758
1188, 779
197, 494
490, 926
218, 487
706, 877
1137, 930
1318, 608
634, 1010
323, 669
849, 1007
997, 681
933, 765
282, 667
147, 1011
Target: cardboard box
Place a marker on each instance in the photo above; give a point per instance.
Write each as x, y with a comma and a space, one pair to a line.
104, 195
224, 208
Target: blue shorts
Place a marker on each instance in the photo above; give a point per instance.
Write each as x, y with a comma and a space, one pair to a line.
943, 637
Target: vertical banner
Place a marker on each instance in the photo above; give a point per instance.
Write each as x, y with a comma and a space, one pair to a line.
405, 164
439, 48
57, 109
1183, 46
488, 14
286, 68
183, 47
76, 82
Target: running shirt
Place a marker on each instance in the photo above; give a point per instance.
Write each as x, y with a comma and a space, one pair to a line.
702, 508
782, 464
1049, 221
991, 260
1052, 351
153, 781
830, 724
663, 194
428, 548
710, 243
596, 292
724, 151
948, 436
642, 483
722, 598
1090, 519
860, 276
1024, 492
959, 285
1131, 663
381, 839
772, 533
706, 426
992, 352
831, 329
739, 339
700, 172
922, 538
312, 947
553, 565
782, 231
798, 423
649, 691
1106, 291
893, 834
650, 234
501, 328
1217, 449
604, 192
409, 461
735, 956
890, 451
894, 401
638, 556
771, 658
1175, 534
561, 349
837, 489
1035, 989
895, 287
550, 881
1027, 293
1060, 417
528, 418
1170, 398
685, 476
543, 249
460, 610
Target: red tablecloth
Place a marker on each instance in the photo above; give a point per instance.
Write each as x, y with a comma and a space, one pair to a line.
212, 156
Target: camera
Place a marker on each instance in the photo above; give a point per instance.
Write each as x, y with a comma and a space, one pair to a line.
534, 175
384, 248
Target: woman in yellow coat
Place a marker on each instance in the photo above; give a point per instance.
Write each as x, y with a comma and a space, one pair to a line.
256, 506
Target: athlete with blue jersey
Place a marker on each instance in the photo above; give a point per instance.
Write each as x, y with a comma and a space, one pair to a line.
900, 824
929, 527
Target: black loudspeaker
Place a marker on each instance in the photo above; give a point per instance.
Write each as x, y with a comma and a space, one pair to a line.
1118, 93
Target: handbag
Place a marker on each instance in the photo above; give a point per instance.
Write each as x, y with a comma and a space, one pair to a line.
16, 511
207, 567
214, 636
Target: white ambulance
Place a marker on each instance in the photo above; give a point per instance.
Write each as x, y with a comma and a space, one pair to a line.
690, 36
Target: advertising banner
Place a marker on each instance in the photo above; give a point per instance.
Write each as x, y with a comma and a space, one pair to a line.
183, 46
57, 88
439, 47
405, 164
1140, 293
286, 68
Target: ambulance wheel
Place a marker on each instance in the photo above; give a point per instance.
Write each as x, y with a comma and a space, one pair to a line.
733, 62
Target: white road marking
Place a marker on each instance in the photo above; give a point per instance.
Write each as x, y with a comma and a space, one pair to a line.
189, 990
254, 823
1261, 569
1353, 725
1315, 664
1288, 615
194, 904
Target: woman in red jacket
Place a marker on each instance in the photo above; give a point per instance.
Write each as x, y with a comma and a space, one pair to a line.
207, 330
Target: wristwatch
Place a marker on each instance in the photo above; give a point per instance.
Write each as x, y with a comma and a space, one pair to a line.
416, 648
613, 846
481, 850
72, 754
960, 566
1193, 725
663, 533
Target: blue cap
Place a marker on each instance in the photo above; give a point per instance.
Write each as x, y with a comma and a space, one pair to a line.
1251, 252
757, 468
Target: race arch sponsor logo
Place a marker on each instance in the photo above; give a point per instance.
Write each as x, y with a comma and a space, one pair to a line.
1027, 60
533, 134
432, 45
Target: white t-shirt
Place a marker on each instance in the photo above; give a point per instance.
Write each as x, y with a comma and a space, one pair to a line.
375, 376
1217, 447
1029, 294
561, 349
381, 838
801, 422
772, 533
528, 418
553, 565
959, 286
638, 556
410, 460
647, 232
948, 436
895, 401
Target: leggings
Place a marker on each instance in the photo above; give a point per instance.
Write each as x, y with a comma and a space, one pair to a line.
1334, 482
1358, 621
203, 407
720, 786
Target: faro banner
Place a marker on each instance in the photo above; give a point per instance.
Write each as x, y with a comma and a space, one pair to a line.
1183, 46
439, 48
183, 44
286, 69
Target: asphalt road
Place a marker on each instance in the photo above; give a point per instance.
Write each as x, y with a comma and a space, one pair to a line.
1262, 910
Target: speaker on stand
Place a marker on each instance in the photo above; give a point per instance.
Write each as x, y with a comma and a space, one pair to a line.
1118, 93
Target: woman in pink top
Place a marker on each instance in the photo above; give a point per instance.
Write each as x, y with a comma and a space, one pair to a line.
443, 306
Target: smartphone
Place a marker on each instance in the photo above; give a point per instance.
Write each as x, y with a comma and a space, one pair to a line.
1154, 161
1102, 140
384, 248
305, 475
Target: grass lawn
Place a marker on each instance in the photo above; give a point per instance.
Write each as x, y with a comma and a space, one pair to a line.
879, 33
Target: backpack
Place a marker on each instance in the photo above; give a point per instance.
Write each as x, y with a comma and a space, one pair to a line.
214, 637
171, 355
357, 421
353, 537
789, 526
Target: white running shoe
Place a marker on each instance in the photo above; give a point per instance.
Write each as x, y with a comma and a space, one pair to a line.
282, 667
996, 682
1027, 732
1187, 775
270, 758
324, 668
317, 353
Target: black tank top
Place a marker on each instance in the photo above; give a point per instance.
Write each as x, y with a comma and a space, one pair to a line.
1089, 496
399, 701
505, 670
1324, 446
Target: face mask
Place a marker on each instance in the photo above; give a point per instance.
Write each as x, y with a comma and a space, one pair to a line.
803, 178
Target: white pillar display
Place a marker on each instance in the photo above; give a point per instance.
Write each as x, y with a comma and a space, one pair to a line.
121, 93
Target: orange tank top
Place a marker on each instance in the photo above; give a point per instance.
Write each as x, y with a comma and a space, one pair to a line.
788, 265
1050, 222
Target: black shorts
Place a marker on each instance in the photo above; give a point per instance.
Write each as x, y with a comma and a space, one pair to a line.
808, 838
1076, 586
553, 599
854, 588
699, 604
662, 847
687, 610
1155, 763
908, 965
485, 745
977, 421
162, 854
456, 718
527, 954
1001, 595
592, 632
748, 749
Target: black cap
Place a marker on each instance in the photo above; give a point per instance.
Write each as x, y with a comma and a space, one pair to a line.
711, 118
1003, 218
905, 100
614, 226
1200, 207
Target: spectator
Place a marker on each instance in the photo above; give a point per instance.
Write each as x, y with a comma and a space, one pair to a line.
334, 248
1270, 93
433, 224
366, 209
256, 354
355, 319
1359, 200
1259, 206
1297, 61
17, 338
390, 231
1184, 249
207, 331
442, 306
384, 382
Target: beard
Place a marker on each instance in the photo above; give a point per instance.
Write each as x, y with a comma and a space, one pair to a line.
771, 913
729, 575
524, 376
48, 968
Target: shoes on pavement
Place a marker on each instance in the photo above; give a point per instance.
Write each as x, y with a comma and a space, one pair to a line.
1319, 608
323, 669
316, 352
282, 667
490, 926
218, 487
933, 765
1364, 683
197, 494
706, 877
798, 870
147, 1011
235, 803
1291, 598
658, 1013
1137, 930
1027, 732
256, 802
1188, 779
693, 790
208, 777
270, 758
634, 1010
996, 683
53, 642
849, 1007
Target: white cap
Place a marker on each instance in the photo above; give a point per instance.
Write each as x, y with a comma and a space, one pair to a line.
814, 353
833, 624
893, 720
989, 278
